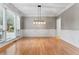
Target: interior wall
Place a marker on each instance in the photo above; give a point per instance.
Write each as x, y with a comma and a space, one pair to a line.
50, 23
70, 18
70, 25
22, 22
30, 29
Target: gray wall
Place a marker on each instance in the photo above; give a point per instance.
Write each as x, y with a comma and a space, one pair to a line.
27, 23
70, 18
22, 22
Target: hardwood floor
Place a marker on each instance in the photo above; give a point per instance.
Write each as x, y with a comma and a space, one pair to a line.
39, 46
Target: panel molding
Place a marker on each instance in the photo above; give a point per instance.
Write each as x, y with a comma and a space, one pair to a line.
71, 36
38, 32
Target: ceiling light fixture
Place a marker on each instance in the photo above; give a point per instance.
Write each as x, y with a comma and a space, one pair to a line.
39, 20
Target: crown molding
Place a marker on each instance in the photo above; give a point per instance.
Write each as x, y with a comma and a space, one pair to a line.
69, 6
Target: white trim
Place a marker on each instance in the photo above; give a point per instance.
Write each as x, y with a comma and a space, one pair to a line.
4, 19
4, 24
58, 26
15, 28
70, 5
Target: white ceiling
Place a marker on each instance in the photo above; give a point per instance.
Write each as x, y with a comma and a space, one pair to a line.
47, 9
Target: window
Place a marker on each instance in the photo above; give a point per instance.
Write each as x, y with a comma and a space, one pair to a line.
1, 18
10, 25
1, 24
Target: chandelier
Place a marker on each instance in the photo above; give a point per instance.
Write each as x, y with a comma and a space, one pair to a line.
39, 20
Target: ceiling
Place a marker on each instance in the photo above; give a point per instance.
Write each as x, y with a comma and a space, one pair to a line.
47, 9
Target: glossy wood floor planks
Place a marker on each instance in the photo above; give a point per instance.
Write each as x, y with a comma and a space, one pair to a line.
39, 46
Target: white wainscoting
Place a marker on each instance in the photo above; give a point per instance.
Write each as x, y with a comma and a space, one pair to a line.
71, 36
39, 32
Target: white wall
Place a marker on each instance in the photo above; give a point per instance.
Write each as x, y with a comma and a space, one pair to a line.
70, 25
